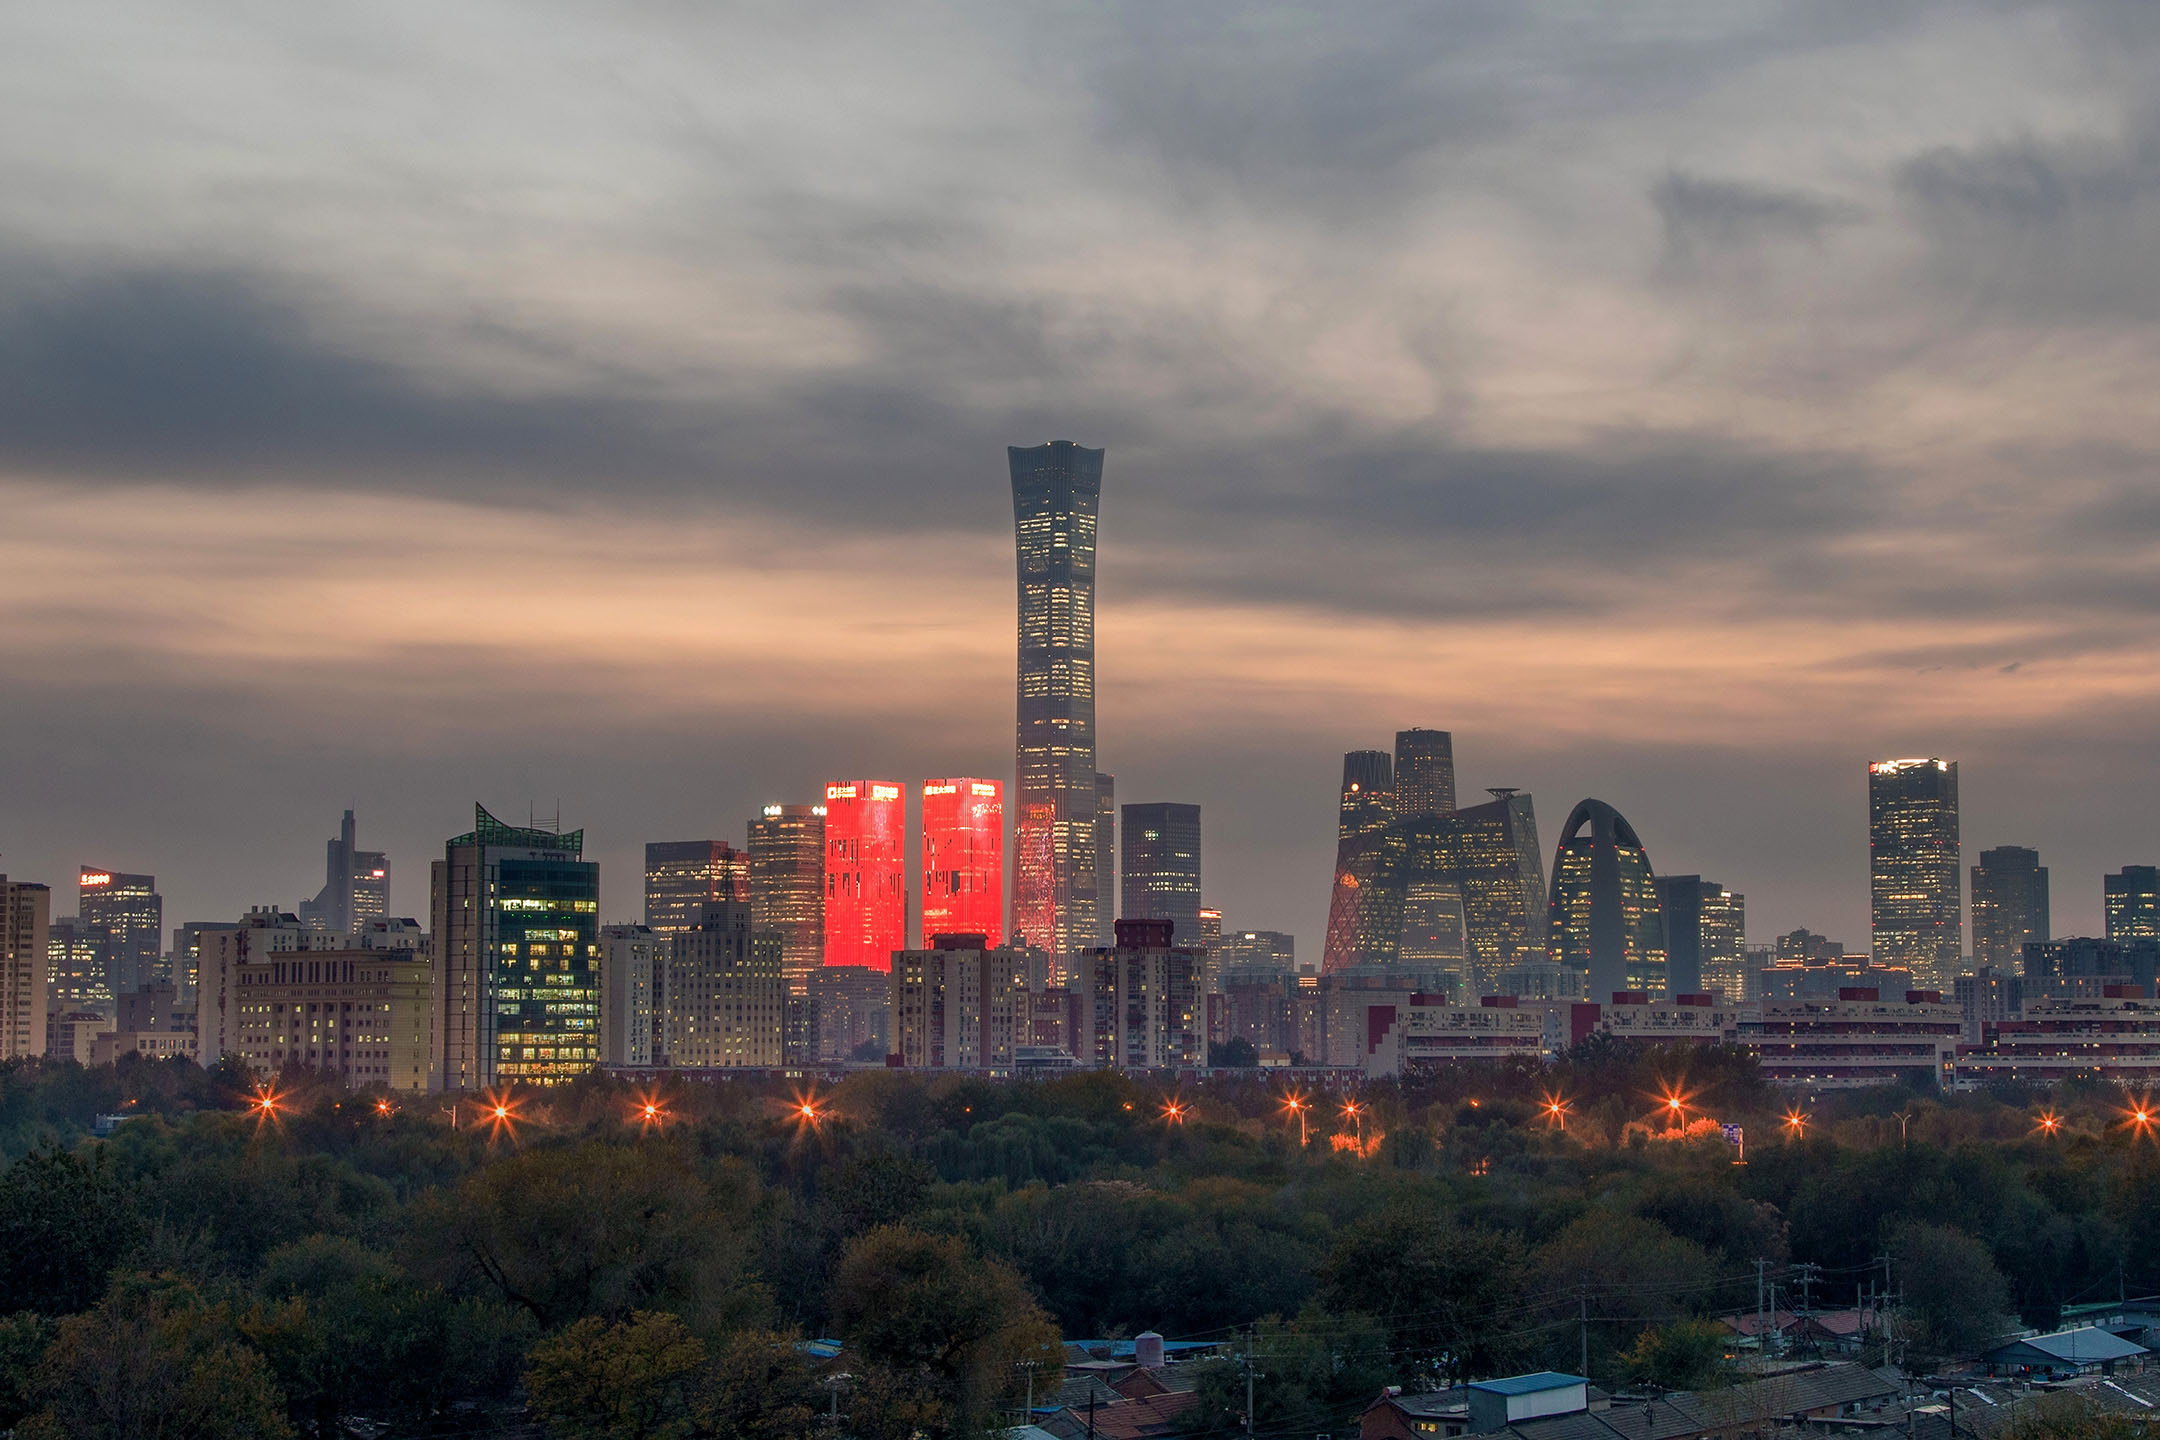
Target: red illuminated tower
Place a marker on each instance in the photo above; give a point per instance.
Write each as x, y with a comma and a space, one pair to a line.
865, 864
963, 859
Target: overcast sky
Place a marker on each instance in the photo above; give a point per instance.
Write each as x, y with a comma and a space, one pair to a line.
402, 406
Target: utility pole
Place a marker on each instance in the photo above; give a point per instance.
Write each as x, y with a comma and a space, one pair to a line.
1582, 1330
1762, 1320
1252, 1339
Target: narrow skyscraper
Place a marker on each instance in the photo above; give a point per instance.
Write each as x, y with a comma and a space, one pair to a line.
356, 885
2009, 905
125, 919
1424, 772
787, 886
865, 872
1604, 918
25, 915
1057, 895
2132, 898
963, 859
1916, 885
1705, 936
1159, 869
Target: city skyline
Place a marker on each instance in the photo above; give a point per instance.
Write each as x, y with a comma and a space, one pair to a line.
1689, 444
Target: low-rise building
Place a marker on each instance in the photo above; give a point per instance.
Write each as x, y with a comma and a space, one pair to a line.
109, 1047
1858, 1039
2115, 1036
72, 1034
1697, 1019
1423, 1031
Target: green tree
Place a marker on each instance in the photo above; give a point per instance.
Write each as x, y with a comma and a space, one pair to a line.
23, 1338
1615, 1265
65, 1224
153, 1361
1309, 1375
633, 1380
1680, 1355
757, 1386
1955, 1300
1437, 1288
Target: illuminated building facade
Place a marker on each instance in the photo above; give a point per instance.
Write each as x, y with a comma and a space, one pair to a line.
1143, 1002
517, 940
961, 1005
787, 886
2132, 897
1487, 854
1059, 891
2009, 905
1915, 883
25, 918
1159, 869
1366, 806
865, 872
1424, 772
963, 859
363, 1015
1705, 936
263, 933
1268, 951
124, 917
682, 877
1604, 918
74, 972
724, 1000
635, 967
356, 885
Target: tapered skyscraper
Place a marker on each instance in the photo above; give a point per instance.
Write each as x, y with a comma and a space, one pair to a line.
1058, 901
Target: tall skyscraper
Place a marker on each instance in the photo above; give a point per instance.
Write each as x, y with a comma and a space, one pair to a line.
682, 877
787, 886
1058, 891
1159, 867
1604, 918
1915, 882
516, 921
1705, 936
125, 918
2009, 905
25, 915
963, 859
356, 885
1424, 772
1366, 806
2132, 897
865, 872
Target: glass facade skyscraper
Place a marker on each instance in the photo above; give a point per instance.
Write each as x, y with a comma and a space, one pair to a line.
787, 886
865, 872
1058, 894
1159, 868
1916, 885
2009, 905
1705, 937
682, 877
1366, 806
1604, 918
1424, 772
356, 885
963, 859
2132, 898
124, 917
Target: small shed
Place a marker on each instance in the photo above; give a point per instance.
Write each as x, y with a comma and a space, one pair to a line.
1497, 1404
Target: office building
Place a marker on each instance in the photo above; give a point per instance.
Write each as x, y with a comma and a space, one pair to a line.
962, 1005
1805, 947
1424, 773
184, 960
1986, 998
852, 1009
2009, 904
263, 932
865, 872
1915, 883
1265, 951
1542, 980
74, 969
516, 921
1604, 917
787, 886
1159, 868
356, 885
963, 859
1143, 1001
2132, 898
366, 1016
1366, 805
1794, 980
1705, 936
124, 917
725, 996
2081, 966
1106, 855
682, 877
1059, 892
633, 964
1864, 1036
25, 923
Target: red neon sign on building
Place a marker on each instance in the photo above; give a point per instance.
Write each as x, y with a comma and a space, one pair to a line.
963, 859
865, 872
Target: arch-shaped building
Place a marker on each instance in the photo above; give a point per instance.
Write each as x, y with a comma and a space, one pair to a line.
1604, 916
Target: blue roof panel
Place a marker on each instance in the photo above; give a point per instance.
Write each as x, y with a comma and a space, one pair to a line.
1528, 1384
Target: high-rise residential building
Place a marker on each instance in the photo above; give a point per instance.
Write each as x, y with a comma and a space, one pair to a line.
682, 877
1424, 772
963, 859
356, 885
1106, 853
2132, 898
787, 886
1487, 854
958, 1005
1159, 867
865, 872
1143, 1001
365, 1015
1366, 806
633, 966
724, 1000
1058, 889
1705, 937
1915, 881
2009, 905
25, 918
517, 946
1604, 918
125, 918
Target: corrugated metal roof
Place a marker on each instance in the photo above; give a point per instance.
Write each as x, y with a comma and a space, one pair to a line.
1528, 1384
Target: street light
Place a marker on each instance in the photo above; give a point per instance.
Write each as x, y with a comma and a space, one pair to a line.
1297, 1106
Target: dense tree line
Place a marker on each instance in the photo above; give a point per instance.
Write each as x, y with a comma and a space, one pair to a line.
618, 1264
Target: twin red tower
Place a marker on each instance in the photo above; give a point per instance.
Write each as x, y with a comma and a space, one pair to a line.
963, 866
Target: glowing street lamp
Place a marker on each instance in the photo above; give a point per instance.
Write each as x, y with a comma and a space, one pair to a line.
2047, 1123
1795, 1124
1297, 1106
1556, 1111
1356, 1114
1175, 1111
265, 1105
500, 1113
382, 1106
2142, 1115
